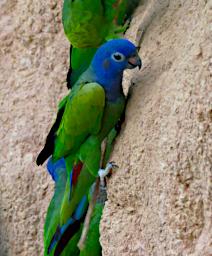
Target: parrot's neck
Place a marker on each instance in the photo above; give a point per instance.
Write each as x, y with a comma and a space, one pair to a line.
111, 81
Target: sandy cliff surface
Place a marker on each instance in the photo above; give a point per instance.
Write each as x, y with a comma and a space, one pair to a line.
159, 199
33, 65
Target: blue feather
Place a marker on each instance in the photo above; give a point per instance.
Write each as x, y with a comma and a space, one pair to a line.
56, 168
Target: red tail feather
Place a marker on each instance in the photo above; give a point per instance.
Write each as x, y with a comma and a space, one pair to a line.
76, 172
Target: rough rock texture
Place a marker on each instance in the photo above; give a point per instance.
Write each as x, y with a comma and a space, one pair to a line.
33, 65
159, 199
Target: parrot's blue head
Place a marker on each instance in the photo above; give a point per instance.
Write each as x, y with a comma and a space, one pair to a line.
110, 61
116, 55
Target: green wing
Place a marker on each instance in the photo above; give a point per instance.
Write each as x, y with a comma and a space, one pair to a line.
90, 154
84, 23
80, 123
82, 117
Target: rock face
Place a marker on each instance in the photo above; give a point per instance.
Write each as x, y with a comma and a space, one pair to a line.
159, 199
33, 65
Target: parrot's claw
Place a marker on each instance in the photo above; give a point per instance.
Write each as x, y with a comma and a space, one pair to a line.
104, 172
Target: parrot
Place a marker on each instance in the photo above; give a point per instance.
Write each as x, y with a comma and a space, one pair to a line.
85, 117
87, 24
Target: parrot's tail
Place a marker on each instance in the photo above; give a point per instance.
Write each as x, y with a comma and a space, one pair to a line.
64, 234
70, 231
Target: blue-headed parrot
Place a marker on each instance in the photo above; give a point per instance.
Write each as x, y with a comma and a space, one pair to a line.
85, 117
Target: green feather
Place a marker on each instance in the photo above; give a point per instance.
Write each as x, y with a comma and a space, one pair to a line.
92, 245
79, 61
73, 130
84, 182
53, 213
96, 119
84, 23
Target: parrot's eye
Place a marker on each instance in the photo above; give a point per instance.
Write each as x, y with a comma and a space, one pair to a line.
117, 56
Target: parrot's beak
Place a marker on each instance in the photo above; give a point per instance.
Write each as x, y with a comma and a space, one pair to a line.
134, 62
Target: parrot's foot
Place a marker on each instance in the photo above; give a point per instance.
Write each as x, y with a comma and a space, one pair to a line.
104, 172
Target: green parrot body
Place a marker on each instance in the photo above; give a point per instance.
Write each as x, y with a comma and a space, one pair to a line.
96, 118
87, 24
85, 117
